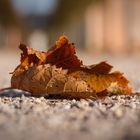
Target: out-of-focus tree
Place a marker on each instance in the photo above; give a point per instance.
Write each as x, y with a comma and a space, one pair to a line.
69, 17
8, 16
10, 25
69, 8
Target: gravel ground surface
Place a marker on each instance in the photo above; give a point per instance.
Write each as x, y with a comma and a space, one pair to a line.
24, 117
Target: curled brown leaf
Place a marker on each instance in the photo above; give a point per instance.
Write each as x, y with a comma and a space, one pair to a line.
59, 71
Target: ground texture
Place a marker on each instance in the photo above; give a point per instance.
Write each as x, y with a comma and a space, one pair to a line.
24, 117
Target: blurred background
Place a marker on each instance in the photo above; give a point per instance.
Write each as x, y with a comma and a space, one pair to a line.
96, 26
101, 29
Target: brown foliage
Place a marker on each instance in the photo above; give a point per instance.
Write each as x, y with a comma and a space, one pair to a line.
59, 71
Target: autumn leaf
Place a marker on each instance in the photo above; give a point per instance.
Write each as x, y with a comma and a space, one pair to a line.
30, 56
59, 71
63, 54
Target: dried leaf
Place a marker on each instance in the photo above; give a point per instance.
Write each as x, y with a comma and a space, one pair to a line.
63, 54
59, 71
101, 68
30, 56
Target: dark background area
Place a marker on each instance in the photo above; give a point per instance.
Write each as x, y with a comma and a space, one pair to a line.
97, 26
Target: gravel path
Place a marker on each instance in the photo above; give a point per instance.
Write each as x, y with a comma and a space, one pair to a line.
24, 117
116, 117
